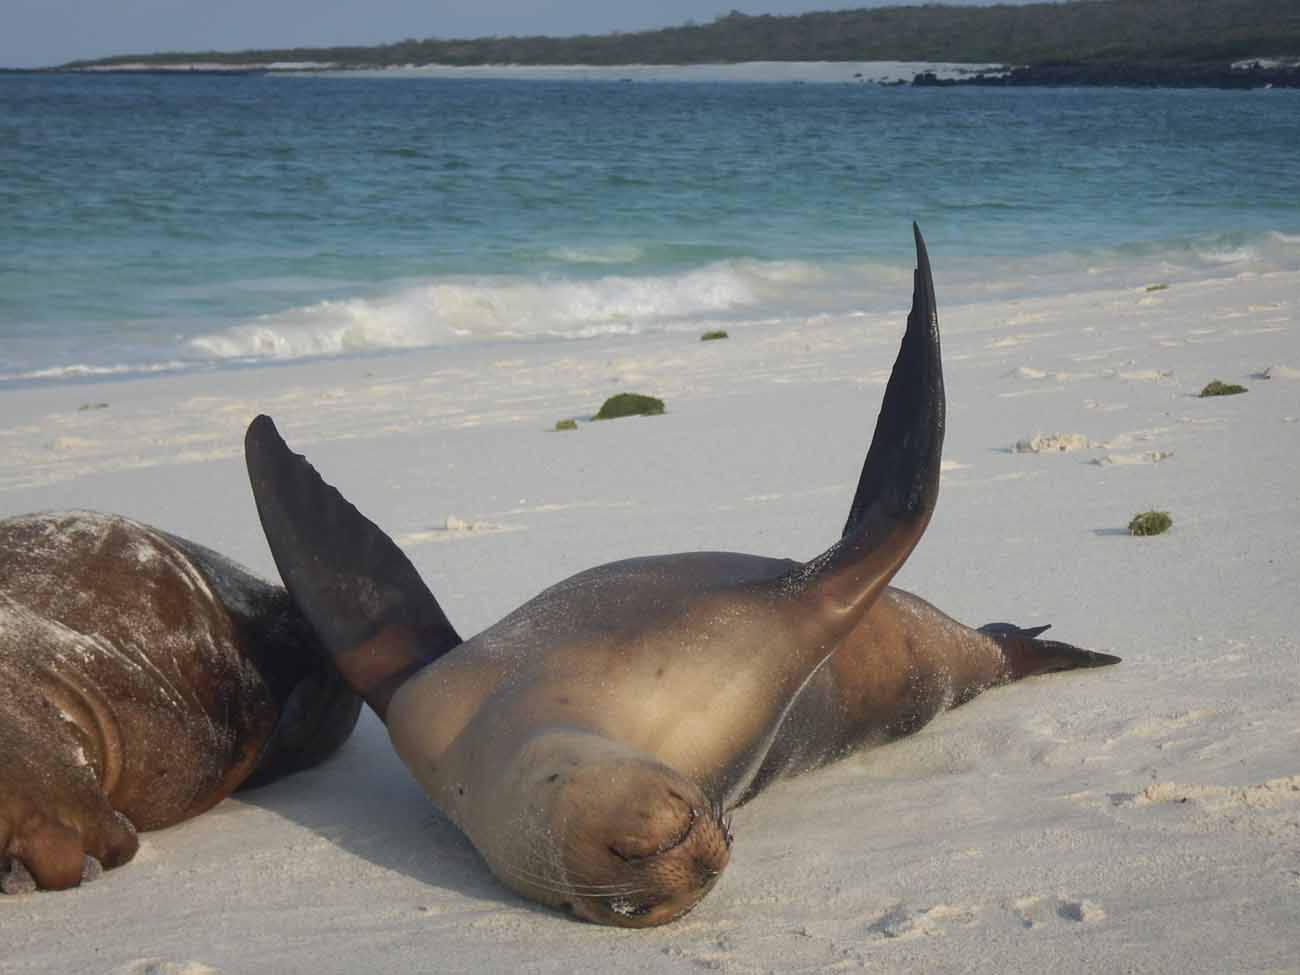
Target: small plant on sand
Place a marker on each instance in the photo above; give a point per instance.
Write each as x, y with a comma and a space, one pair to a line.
630, 404
1150, 523
1216, 388
565, 425
717, 333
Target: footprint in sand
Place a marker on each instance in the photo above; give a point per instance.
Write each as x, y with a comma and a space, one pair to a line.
1052, 443
1278, 372
1266, 811
904, 923
1144, 375
1027, 318
1216, 799
453, 529
155, 966
1030, 373
1092, 404
1120, 458
1036, 911
1129, 460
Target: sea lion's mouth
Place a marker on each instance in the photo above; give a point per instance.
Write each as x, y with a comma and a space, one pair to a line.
624, 907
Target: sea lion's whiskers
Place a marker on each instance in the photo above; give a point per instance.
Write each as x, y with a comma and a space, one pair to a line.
557, 866
567, 888
617, 888
553, 871
723, 818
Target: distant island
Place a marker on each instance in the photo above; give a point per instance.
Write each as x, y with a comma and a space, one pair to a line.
1218, 43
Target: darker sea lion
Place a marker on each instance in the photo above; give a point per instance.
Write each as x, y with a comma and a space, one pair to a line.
143, 678
592, 742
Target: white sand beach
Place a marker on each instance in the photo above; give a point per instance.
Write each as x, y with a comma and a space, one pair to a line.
1139, 818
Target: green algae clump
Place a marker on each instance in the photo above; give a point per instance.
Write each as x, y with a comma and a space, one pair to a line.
1150, 523
1216, 388
717, 333
630, 404
565, 425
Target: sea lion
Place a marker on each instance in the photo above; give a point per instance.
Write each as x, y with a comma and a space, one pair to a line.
592, 743
143, 678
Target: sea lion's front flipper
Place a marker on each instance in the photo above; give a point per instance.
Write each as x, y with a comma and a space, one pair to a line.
360, 592
900, 477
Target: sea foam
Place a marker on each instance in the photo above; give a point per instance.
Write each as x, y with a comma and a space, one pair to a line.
454, 310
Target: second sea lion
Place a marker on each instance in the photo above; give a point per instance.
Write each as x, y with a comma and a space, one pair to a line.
143, 678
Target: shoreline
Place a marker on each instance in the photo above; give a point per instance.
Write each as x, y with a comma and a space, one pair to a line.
94, 415
1245, 74
399, 320
774, 72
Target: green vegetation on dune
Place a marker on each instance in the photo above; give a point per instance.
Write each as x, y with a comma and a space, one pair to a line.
1096, 31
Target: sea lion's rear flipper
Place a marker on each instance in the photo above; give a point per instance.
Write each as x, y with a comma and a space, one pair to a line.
1026, 655
360, 592
994, 629
899, 482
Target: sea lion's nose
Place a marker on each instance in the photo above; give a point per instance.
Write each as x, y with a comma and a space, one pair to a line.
660, 823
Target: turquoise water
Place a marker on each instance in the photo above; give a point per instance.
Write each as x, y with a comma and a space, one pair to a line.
158, 223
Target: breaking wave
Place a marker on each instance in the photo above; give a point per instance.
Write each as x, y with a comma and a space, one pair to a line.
473, 309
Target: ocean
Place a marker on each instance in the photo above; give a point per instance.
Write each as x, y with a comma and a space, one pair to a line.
167, 223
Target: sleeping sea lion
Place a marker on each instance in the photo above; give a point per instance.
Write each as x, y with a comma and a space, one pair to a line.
143, 678
591, 743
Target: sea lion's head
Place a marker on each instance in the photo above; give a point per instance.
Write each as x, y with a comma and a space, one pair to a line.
611, 835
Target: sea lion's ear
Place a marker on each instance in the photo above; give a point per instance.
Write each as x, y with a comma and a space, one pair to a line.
900, 477
359, 591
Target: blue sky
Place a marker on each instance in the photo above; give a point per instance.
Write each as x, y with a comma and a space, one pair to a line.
36, 33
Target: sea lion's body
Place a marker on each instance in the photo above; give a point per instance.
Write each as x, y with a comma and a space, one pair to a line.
143, 678
696, 704
659, 657
591, 743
